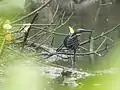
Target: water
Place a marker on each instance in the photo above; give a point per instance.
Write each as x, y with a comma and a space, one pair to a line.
105, 68
106, 72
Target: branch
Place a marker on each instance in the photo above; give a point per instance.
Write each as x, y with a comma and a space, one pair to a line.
28, 31
34, 24
57, 28
87, 41
33, 12
101, 35
38, 46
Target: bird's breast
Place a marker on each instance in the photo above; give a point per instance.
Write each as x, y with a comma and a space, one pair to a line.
71, 42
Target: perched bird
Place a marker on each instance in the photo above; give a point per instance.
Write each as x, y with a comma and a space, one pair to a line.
71, 41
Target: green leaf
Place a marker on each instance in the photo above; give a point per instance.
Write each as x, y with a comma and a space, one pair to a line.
2, 38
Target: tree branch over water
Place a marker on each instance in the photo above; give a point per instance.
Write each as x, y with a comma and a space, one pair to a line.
99, 49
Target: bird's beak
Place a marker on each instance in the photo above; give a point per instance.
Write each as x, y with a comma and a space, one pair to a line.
83, 30
71, 30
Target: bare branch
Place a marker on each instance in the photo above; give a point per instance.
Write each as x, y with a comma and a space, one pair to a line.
31, 13
57, 28
87, 41
27, 33
101, 35
35, 24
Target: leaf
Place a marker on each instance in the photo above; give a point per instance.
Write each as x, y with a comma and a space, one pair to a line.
2, 39
7, 26
2, 46
8, 37
2, 35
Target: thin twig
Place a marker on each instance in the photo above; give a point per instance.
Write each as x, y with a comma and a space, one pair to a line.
46, 30
62, 19
57, 28
101, 35
35, 35
28, 31
55, 14
35, 24
31, 13
101, 44
87, 41
38, 46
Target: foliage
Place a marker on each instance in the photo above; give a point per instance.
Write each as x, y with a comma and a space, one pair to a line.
11, 8
20, 71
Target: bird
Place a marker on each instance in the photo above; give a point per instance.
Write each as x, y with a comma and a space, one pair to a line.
71, 41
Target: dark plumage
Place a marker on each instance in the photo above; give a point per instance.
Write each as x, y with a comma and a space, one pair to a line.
71, 41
